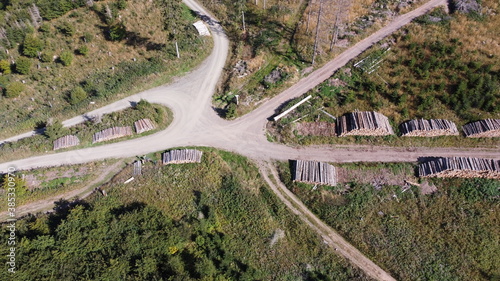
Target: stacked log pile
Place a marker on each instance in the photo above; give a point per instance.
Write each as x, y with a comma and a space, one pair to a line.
314, 172
182, 156
428, 128
66, 141
112, 133
463, 167
364, 123
137, 168
144, 125
487, 128
316, 129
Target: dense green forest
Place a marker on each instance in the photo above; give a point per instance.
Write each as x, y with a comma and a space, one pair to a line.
61, 58
211, 221
451, 234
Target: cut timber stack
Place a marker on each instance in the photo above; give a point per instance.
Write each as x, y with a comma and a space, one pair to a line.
182, 156
364, 123
316, 129
137, 168
428, 128
462, 167
66, 141
112, 133
143, 125
487, 128
314, 172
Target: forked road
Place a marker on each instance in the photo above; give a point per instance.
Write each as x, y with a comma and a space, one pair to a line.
196, 124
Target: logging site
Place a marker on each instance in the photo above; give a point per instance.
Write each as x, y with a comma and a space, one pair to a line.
314, 172
428, 128
250, 140
181, 156
462, 167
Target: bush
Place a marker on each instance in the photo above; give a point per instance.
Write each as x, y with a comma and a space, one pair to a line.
231, 110
23, 65
31, 46
14, 89
47, 56
66, 28
77, 95
66, 58
55, 131
121, 4
5, 66
44, 28
51, 9
83, 50
87, 37
117, 32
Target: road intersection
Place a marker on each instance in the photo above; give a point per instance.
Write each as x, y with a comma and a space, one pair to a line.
196, 123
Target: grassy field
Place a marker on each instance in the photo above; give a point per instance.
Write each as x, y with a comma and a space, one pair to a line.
43, 144
431, 69
116, 48
451, 234
216, 220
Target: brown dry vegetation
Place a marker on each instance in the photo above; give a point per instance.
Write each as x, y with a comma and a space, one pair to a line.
396, 91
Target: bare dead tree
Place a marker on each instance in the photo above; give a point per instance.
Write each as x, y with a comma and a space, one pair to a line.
335, 32
89, 3
308, 19
34, 12
316, 40
243, 18
109, 14
341, 13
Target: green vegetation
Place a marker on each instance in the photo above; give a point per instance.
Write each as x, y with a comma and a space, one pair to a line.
47, 56
83, 50
211, 221
77, 95
129, 46
55, 130
5, 67
44, 143
14, 89
66, 58
451, 234
117, 31
31, 46
23, 65
66, 29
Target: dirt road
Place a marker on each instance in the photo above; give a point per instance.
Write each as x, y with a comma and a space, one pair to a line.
196, 123
330, 236
48, 204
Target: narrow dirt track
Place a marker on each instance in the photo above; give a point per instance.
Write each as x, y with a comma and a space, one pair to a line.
48, 204
330, 236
